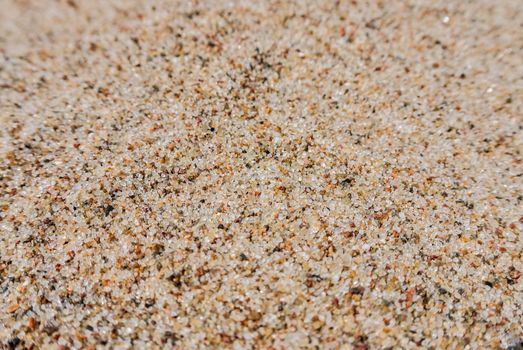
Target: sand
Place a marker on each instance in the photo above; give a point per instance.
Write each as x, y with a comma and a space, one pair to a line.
261, 174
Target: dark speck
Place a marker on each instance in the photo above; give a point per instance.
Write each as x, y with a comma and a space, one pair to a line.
13, 342
281, 306
347, 182
488, 283
169, 337
315, 277
357, 290
108, 209
175, 278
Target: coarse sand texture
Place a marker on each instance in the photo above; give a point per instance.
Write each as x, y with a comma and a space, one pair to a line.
270, 175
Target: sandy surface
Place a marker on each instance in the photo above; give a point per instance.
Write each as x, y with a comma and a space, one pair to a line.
261, 175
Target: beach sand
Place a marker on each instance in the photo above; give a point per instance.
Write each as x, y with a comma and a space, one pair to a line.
261, 174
